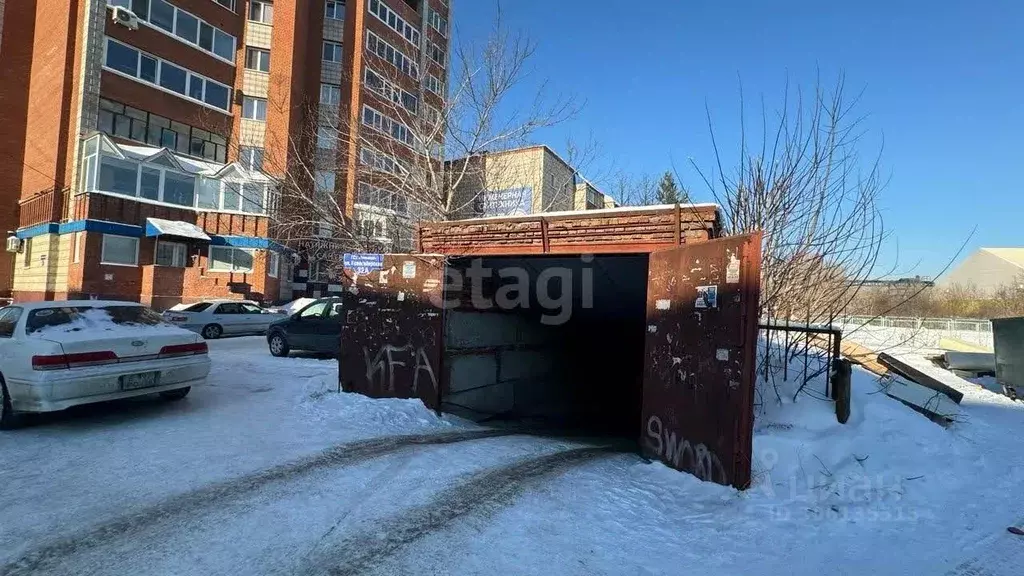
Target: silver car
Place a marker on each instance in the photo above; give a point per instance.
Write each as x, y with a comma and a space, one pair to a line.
215, 318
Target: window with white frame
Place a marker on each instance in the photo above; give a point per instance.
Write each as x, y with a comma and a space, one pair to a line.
334, 9
128, 61
382, 123
376, 45
378, 198
229, 4
261, 11
332, 51
257, 59
254, 108
395, 22
437, 22
390, 91
436, 54
273, 264
160, 181
330, 95
171, 254
380, 161
119, 250
251, 157
435, 85
182, 25
229, 259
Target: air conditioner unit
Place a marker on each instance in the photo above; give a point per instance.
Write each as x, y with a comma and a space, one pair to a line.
14, 244
126, 18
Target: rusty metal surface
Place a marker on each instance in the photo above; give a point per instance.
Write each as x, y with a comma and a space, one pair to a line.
391, 340
601, 232
698, 397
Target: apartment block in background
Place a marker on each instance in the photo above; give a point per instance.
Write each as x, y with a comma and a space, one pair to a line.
145, 137
527, 180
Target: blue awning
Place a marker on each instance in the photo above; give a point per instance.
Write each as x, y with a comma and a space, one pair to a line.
158, 227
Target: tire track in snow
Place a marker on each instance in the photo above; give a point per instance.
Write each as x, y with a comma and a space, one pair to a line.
485, 491
194, 502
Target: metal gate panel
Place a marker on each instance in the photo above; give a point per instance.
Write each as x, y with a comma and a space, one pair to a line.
391, 340
700, 351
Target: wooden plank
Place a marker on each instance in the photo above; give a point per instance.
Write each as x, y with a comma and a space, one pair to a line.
915, 375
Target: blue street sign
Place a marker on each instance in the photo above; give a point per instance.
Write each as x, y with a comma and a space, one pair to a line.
363, 264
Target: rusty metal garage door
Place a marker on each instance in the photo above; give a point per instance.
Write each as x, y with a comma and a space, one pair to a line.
698, 397
391, 342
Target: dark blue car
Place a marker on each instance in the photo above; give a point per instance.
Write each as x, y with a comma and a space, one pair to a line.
315, 328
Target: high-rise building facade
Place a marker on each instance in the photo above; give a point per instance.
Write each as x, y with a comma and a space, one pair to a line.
146, 139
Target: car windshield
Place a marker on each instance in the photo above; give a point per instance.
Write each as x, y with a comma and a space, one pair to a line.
65, 315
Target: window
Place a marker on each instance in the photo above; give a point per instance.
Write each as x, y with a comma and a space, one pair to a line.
330, 95
368, 195
187, 27
230, 308
437, 22
381, 123
116, 119
27, 262
119, 250
380, 161
257, 59
229, 4
335, 9
170, 254
251, 157
376, 45
332, 51
250, 308
182, 25
325, 180
435, 85
118, 176
314, 310
326, 138
128, 61
395, 22
198, 307
9, 317
436, 53
254, 108
273, 264
390, 91
261, 11
149, 183
252, 198
225, 259
179, 189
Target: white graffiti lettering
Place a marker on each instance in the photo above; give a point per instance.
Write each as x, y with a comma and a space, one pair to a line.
380, 368
678, 452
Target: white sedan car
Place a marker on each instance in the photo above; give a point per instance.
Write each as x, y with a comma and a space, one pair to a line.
54, 355
216, 318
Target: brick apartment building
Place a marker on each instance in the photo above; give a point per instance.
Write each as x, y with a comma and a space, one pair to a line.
145, 137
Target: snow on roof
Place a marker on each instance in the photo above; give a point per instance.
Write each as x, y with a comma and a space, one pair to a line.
1014, 256
141, 153
598, 212
175, 228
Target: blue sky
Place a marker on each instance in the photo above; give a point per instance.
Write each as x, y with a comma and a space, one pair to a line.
942, 81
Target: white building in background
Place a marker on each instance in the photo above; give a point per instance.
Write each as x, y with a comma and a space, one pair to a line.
988, 269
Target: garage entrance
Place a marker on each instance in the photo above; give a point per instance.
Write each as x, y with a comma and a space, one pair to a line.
553, 342
654, 346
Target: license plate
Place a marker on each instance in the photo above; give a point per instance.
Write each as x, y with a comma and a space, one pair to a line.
136, 381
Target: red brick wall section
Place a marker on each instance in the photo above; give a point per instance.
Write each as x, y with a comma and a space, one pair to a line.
162, 287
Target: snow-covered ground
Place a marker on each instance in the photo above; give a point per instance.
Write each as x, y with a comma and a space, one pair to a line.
268, 470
